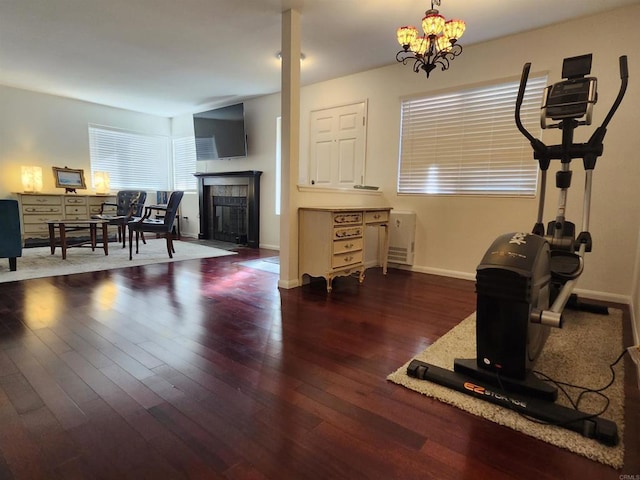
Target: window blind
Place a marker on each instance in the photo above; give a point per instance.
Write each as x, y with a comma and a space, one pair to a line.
467, 143
133, 160
184, 163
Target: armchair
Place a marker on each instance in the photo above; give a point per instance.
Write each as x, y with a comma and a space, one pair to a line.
129, 204
11, 237
160, 226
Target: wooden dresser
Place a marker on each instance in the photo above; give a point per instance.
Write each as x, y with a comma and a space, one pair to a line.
331, 241
38, 208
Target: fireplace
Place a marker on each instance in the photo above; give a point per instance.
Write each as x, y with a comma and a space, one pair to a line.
230, 207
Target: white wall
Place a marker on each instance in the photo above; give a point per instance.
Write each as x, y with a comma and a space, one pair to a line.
45, 130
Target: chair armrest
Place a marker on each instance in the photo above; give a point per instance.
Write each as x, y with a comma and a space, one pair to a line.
109, 204
157, 207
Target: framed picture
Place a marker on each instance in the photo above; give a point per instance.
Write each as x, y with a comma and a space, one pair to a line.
69, 178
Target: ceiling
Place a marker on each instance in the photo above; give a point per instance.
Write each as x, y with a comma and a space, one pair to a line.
170, 57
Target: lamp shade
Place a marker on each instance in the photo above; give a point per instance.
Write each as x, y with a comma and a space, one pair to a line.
420, 45
454, 29
31, 179
433, 24
406, 35
101, 182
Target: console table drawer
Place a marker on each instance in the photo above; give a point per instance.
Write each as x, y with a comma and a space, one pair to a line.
345, 218
349, 245
351, 232
344, 259
381, 216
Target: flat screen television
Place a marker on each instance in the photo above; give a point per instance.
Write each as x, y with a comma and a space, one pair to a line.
220, 133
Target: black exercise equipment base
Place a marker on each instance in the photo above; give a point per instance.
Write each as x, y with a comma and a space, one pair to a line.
531, 386
600, 429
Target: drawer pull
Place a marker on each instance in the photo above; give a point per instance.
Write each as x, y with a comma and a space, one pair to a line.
348, 246
348, 259
377, 216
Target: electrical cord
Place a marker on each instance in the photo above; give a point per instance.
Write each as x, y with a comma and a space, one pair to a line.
574, 403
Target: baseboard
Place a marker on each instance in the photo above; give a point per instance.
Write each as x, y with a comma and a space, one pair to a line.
288, 284
435, 271
603, 296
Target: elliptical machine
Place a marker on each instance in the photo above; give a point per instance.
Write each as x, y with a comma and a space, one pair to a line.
525, 280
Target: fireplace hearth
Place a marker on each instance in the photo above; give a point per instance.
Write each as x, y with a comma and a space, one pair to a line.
230, 207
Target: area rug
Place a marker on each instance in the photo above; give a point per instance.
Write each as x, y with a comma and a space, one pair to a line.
38, 262
579, 353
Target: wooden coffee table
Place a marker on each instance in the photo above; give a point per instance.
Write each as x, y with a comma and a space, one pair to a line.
65, 226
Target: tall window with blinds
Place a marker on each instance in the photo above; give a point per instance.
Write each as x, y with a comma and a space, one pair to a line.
133, 160
467, 143
184, 163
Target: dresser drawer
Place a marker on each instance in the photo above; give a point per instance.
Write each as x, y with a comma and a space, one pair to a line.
41, 218
75, 212
347, 218
347, 232
40, 200
75, 200
381, 216
349, 245
38, 229
28, 210
344, 259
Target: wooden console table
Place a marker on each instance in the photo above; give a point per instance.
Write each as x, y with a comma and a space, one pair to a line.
331, 240
65, 226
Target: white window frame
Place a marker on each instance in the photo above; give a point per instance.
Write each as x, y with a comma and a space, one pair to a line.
133, 160
466, 142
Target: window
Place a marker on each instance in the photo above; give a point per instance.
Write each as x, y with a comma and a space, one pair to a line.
184, 163
467, 143
133, 160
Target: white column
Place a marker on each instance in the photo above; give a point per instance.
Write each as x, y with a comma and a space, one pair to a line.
290, 112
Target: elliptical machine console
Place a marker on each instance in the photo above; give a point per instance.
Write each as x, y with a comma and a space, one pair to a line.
525, 280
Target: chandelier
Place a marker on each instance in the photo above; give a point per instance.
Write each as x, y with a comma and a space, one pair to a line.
438, 46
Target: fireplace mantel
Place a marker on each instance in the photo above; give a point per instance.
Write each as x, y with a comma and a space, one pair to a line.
251, 178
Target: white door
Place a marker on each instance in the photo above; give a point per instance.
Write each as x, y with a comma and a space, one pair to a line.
337, 144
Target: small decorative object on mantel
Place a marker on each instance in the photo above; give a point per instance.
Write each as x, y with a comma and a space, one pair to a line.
70, 179
365, 187
438, 45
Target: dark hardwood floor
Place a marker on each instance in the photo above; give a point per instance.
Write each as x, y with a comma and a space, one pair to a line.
203, 369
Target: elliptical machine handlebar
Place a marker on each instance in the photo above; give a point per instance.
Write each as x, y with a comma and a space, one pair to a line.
520, 98
592, 149
624, 79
